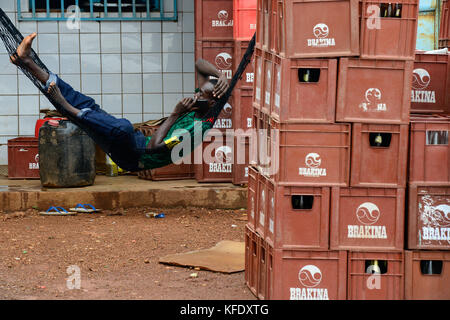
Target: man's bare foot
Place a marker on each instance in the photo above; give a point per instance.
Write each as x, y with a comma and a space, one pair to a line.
56, 95
24, 50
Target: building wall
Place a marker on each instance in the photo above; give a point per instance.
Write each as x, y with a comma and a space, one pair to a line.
133, 69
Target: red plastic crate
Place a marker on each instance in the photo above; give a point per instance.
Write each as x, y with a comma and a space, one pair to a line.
267, 82
444, 30
246, 82
213, 20
425, 280
262, 268
429, 155
295, 100
298, 217
244, 13
258, 98
428, 217
243, 109
379, 155
369, 281
310, 154
261, 216
374, 91
241, 159
217, 158
170, 172
252, 196
308, 28
388, 37
430, 85
251, 259
219, 53
23, 158
306, 275
365, 219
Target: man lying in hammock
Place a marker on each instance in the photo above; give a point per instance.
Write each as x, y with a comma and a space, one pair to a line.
128, 148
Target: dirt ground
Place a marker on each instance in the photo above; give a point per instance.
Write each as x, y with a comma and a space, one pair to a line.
117, 253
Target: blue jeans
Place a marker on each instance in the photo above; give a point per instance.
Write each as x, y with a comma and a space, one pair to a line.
116, 137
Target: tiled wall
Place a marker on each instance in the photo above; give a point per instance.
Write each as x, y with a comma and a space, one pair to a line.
136, 70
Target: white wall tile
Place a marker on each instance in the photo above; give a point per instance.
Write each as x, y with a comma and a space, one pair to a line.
89, 27
9, 5
8, 84
47, 43
90, 43
187, 5
91, 84
153, 103
152, 82
110, 43
29, 105
172, 62
51, 61
69, 43
151, 42
188, 62
44, 103
112, 103
4, 154
27, 125
8, 105
111, 63
132, 103
152, 116
189, 82
111, 83
173, 26
9, 125
26, 86
67, 27
27, 27
188, 22
90, 63
172, 42
47, 27
132, 83
69, 63
151, 62
73, 80
131, 26
172, 82
189, 42
131, 63
168, 5
131, 42
151, 26
170, 101
6, 67
133, 117
110, 26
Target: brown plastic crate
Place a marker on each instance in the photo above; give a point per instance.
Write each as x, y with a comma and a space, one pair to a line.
217, 158
251, 260
308, 28
246, 82
252, 196
395, 37
262, 268
244, 13
171, 172
310, 154
430, 84
261, 216
444, 30
298, 217
297, 101
363, 284
243, 109
421, 283
374, 91
429, 154
258, 98
379, 155
213, 20
428, 217
367, 219
241, 158
267, 82
23, 158
306, 275
219, 53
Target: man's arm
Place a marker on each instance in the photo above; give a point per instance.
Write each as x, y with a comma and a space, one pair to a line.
206, 69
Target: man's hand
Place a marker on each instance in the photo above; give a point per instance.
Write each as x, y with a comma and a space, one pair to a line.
221, 87
185, 105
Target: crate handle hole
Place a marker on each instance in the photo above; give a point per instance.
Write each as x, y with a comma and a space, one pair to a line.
437, 137
308, 75
380, 139
376, 266
302, 202
391, 10
428, 267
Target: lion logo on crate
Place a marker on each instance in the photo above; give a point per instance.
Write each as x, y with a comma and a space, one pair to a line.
373, 101
222, 15
223, 154
222, 21
34, 165
313, 160
435, 218
321, 30
421, 80
368, 213
224, 60
310, 277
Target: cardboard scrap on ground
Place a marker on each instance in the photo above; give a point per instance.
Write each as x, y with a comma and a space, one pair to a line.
226, 257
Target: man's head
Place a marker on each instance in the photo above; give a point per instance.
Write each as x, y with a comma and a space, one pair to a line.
205, 92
